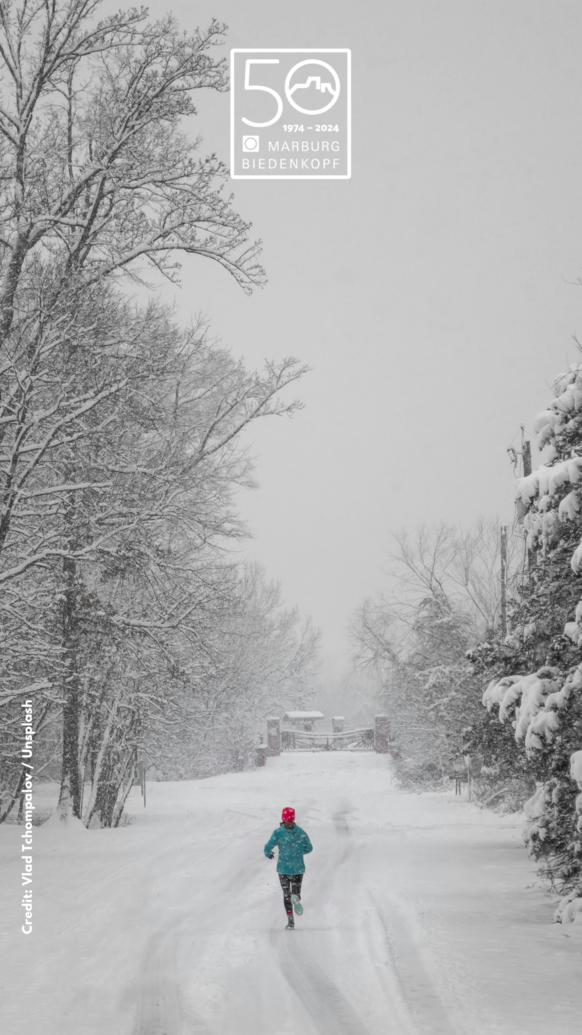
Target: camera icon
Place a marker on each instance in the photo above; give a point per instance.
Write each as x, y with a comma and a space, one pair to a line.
250, 144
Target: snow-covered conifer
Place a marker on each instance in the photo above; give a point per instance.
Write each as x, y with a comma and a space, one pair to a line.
537, 686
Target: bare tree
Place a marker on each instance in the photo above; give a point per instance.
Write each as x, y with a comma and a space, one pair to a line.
96, 178
443, 598
95, 169
260, 657
118, 434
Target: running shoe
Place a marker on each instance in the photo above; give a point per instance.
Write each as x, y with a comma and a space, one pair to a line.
297, 904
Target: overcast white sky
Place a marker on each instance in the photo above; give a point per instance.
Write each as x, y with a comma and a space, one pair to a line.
434, 294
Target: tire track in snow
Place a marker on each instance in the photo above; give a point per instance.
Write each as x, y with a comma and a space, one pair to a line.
158, 1009
178, 843
158, 1002
328, 1006
427, 1012
115, 873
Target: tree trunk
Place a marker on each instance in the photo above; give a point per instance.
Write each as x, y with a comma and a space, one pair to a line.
124, 789
70, 794
14, 796
98, 797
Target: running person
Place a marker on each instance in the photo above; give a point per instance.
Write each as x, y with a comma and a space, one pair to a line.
293, 843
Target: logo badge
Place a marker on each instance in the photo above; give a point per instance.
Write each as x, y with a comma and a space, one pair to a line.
300, 101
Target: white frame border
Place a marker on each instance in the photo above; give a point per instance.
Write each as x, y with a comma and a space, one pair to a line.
293, 50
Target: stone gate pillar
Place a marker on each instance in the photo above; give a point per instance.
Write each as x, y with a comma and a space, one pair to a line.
381, 734
337, 724
261, 754
274, 735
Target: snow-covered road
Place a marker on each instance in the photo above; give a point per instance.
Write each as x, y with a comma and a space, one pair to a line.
421, 916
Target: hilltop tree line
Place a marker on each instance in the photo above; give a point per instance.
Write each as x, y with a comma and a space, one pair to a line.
122, 615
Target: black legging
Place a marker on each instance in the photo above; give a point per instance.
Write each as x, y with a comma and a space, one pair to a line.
291, 884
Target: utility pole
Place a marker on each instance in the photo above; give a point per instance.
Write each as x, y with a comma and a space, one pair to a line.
526, 459
504, 581
526, 464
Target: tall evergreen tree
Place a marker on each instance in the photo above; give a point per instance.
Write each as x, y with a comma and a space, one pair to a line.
537, 669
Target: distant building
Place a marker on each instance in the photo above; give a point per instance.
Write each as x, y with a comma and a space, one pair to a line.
301, 720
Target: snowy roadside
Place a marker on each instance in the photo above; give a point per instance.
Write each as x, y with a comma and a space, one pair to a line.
422, 915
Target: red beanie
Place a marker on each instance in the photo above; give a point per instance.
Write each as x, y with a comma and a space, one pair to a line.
288, 815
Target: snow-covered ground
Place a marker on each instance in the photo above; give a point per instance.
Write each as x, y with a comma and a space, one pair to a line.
422, 916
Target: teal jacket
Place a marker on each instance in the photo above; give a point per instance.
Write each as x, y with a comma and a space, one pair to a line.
293, 845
